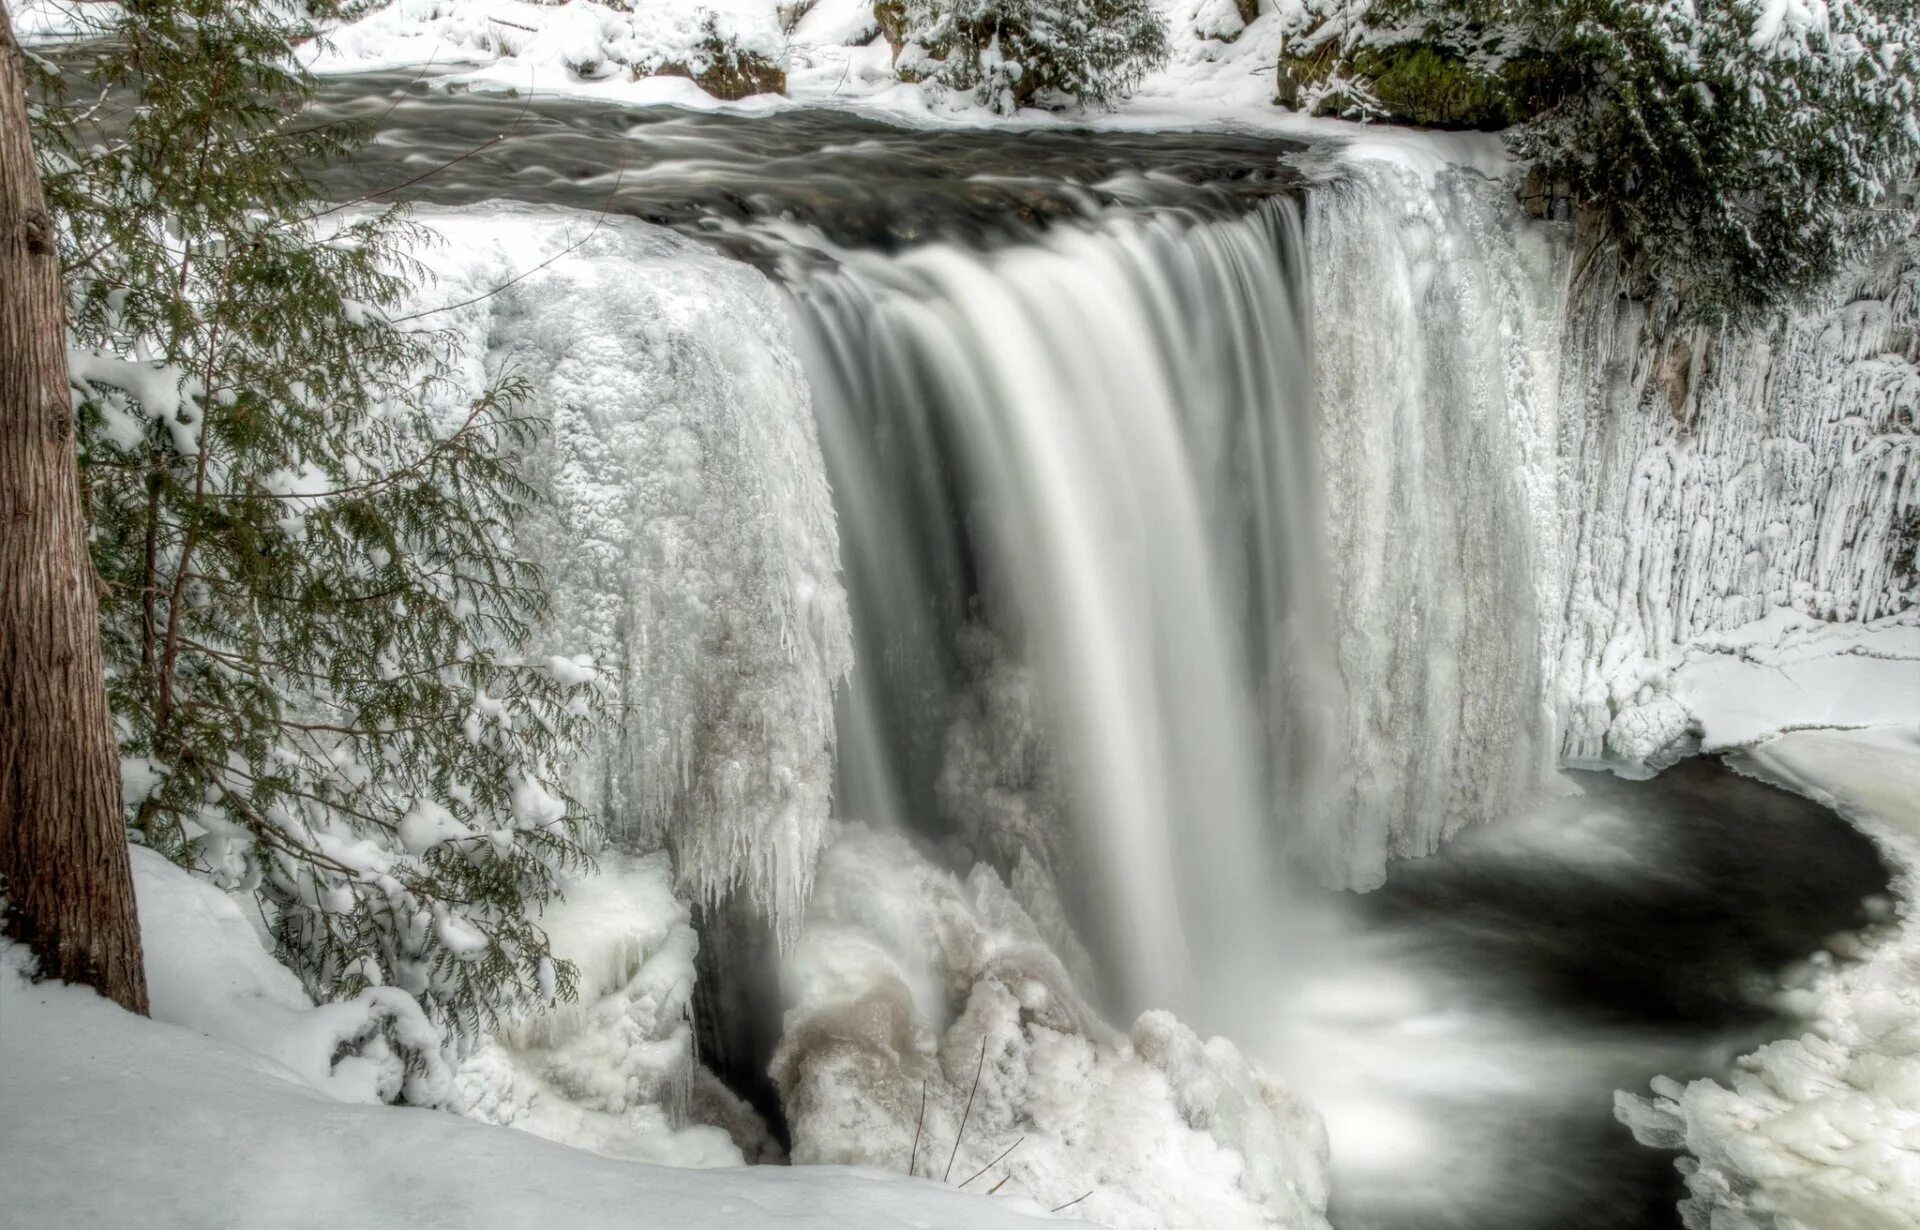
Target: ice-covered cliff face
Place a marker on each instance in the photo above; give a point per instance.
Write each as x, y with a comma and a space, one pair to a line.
1714, 476
1437, 331
1539, 498
689, 538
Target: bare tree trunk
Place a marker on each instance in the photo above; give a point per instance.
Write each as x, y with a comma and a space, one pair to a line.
63, 842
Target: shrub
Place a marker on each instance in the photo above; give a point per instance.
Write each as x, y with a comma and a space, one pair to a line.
1741, 152
1018, 53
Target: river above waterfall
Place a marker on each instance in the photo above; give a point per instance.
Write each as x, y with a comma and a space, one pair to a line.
1066, 395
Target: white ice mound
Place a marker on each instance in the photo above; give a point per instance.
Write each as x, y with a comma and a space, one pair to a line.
1822, 1131
209, 971
610, 1071
908, 978
690, 539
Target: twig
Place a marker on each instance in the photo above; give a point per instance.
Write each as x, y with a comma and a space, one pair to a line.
1069, 1204
995, 1162
995, 1189
966, 1114
914, 1159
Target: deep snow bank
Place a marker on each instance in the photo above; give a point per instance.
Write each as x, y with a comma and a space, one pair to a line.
1820, 1131
107, 1119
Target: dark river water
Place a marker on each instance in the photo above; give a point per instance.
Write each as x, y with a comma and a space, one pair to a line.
1633, 932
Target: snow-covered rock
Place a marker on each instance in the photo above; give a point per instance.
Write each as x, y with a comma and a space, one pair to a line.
610, 1070
933, 1031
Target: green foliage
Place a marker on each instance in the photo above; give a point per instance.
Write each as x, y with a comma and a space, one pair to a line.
313, 610
1740, 153
1017, 53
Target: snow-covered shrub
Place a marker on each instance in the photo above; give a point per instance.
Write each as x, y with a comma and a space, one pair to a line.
1743, 152
1017, 53
208, 970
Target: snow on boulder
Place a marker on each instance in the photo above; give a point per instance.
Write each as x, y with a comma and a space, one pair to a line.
933, 1030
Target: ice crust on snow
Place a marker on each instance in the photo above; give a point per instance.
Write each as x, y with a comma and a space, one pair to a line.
908, 977
689, 539
1822, 1130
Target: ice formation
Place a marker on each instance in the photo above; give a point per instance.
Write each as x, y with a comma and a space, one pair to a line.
1639, 491
689, 539
1437, 331
1716, 476
1821, 1130
611, 1071
910, 979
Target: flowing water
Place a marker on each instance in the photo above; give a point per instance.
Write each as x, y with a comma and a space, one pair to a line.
1189, 510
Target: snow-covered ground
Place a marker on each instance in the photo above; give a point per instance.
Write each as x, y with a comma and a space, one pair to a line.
1220, 71
1820, 1132
107, 1119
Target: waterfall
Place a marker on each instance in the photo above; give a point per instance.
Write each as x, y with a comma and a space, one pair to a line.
1091, 454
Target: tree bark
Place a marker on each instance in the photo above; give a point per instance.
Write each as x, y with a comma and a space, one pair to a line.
64, 870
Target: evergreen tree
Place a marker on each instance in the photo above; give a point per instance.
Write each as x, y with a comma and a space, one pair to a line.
1016, 53
314, 613
65, 885
1745, 153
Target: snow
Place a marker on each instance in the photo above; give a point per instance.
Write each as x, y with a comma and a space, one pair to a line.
909, 981
1789, 671
53, 21
209, 970
107, 1119
834, 56
689, 539
1822, 1130
610, 1071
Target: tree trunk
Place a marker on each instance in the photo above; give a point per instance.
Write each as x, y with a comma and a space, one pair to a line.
64, 870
